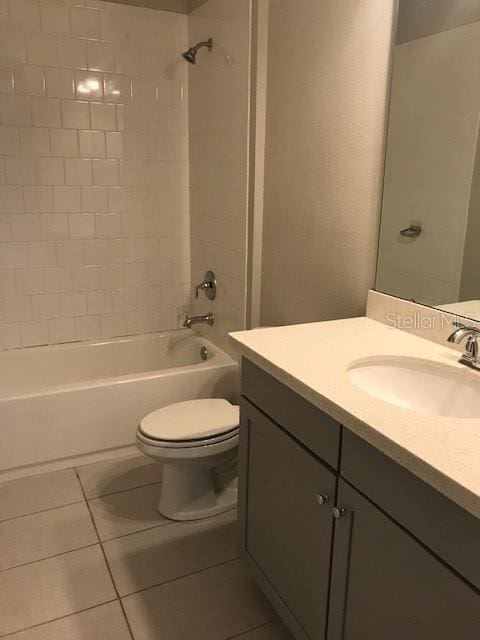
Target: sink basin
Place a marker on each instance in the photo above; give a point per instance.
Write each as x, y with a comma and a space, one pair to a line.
426, 387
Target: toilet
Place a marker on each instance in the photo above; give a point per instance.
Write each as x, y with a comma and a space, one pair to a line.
197, 442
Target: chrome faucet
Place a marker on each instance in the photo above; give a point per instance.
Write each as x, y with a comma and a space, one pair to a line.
208, 318
472, 334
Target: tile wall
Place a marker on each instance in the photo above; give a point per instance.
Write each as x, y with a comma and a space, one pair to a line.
94, 226
218, 124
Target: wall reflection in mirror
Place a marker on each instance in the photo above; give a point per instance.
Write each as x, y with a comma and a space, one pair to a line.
429, 248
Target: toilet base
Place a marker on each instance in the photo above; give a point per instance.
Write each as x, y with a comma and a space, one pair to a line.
193, 493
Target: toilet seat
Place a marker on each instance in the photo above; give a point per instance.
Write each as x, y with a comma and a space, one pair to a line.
193, 423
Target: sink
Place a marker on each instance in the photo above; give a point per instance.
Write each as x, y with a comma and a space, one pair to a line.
426, 387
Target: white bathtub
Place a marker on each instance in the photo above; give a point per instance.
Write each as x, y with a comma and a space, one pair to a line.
73, 401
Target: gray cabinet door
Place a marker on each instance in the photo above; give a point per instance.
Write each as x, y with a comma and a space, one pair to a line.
288, 534
385, 584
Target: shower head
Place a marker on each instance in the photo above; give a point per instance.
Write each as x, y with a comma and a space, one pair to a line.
191, 54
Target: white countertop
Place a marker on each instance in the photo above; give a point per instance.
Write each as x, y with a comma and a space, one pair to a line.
312, 359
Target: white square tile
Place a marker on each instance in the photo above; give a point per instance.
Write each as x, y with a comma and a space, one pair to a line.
111, 276
58, 279
45, 112
46, 306
137, 322
211, 598
100, 56
9, 141
103, 116
124, 299
72, 53
67, 199
70, 253
108, 225
55, 19
21, 589
37, 493
6, 80
78, 171
20, 170
85, 23
97, 252
42, 49
12, 45
59, 83
64, 142
85, 278
10, 335
54, 226
29, 281
29, 80
117, 88
41, 254
75, 114
61, 330
88, 85
7, 282
87, 328
33, 333
11, 199
34, 141
105, 622
17, 308
50, 171
13, 255
14, 110
24, 15
94, 199
115, 146
81, 225
92, 144
99, 302
105, 172
25, 226
73, 304
113, 325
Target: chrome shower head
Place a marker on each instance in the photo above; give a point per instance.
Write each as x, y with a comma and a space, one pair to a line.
191, 54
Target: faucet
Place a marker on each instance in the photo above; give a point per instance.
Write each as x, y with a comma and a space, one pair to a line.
208, 318
470, 357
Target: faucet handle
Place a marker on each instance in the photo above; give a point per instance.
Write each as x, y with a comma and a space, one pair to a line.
208, 285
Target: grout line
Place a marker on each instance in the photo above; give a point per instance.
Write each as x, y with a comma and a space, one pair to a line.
33, 513
181, 577
114, 493
68, 615
127, 622
55, 555
242, 633
132, 533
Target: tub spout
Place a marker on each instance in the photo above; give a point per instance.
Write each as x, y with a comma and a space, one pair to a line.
208, 318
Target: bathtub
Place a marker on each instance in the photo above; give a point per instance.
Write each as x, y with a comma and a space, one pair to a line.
66, 404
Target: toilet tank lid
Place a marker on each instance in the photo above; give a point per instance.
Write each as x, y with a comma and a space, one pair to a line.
191, 420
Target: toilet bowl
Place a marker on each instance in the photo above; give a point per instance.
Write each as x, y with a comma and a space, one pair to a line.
197, 442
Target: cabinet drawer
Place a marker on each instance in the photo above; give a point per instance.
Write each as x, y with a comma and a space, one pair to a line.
313, 428
444, 527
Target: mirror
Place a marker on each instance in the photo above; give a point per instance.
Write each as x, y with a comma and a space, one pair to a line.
429, 245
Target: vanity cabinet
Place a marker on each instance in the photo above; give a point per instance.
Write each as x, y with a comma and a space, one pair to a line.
348, 545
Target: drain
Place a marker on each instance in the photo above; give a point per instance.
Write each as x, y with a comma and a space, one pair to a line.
204, 353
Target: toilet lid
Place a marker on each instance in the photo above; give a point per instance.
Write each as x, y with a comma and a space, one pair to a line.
191, 420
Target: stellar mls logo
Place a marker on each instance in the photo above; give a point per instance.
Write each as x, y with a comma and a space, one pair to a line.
413, 321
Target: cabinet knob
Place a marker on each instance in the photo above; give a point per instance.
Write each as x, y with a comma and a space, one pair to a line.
338, 512
321, 498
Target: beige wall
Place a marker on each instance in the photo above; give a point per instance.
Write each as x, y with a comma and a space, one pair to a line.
218, 123
94, 226
328, 66
469, 282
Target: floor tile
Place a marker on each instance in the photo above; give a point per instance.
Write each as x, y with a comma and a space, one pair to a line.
52, 588
105, 622
128, 511
168, 552
45, 534
211, 605
272, 631
36, 493
110, 476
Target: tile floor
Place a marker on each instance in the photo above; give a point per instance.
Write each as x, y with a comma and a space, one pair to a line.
86, 556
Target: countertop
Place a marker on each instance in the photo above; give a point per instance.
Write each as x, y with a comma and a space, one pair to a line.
312, 359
